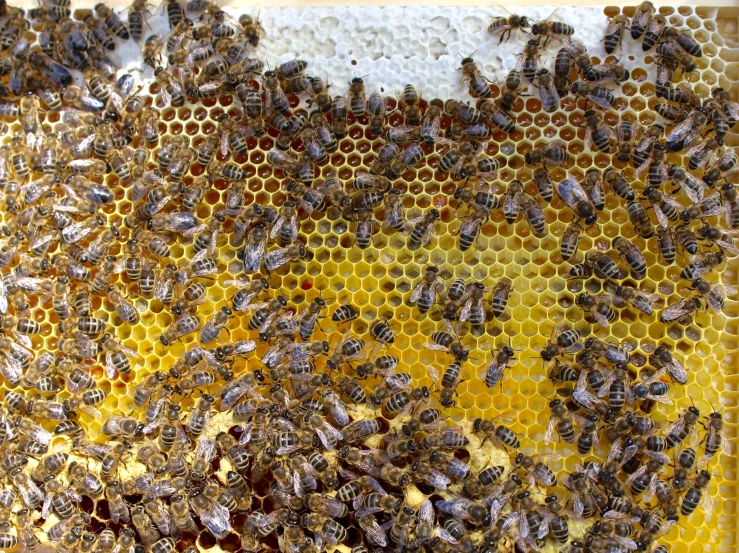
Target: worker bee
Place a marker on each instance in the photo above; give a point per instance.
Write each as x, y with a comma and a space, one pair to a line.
702, 152
663, 358
421, 228
537, 469
476, 83
447, 340
681, 311
654, 32
714, 294
631, 254
598, 95
500, 361
684, 134
505, 25
547, 90
562, 341
470, 228
642, 301
490, 112
512, 90
640, 219
614, 32
552, 153
597, 133
184, 325
573, 194
497, 433
424, 293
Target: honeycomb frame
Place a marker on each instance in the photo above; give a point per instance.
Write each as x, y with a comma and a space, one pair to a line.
379, 281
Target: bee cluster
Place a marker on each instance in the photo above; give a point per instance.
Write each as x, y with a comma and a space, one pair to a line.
269, 432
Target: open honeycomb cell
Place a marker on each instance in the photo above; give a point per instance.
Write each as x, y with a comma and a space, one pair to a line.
379, 280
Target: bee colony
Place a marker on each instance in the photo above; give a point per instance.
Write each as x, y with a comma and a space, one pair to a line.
251, 307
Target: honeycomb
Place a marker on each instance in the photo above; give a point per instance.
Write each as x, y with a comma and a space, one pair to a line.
380, 279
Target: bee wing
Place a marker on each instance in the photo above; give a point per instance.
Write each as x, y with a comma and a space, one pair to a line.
3, 298
338, 411
242, 347
715, 207
682, 130
511, 203
550, 430
215, 518
465, 313
37, 433
601, 319
166, 96
696, 149
660, 399
613, 26
275, 231
598, 101
693, 187
206, 449
437, 479
163, 288
642, 169
550, 97
677, 370
192, 231
45, 509
253, 256
427, 234
676, 310
659, 456
581, 395
275, 259
426, 512
24, 340
239, 283
418, 291
120, 265
574, 47
523, 526
75, 232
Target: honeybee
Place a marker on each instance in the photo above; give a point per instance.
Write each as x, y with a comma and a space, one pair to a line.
447, 340
681, 311
702, 152
498, 117
529, 60
614, 32
425, 292
684, 134
477, 85
723, 238
547, 90
707, 207
598, 95
663, 358
641, 300
573, 194
505, 25
501, 360
421, 228
713, 294
562, 341
552, 153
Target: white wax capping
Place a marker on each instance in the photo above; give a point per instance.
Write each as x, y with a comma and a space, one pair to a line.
394, 46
